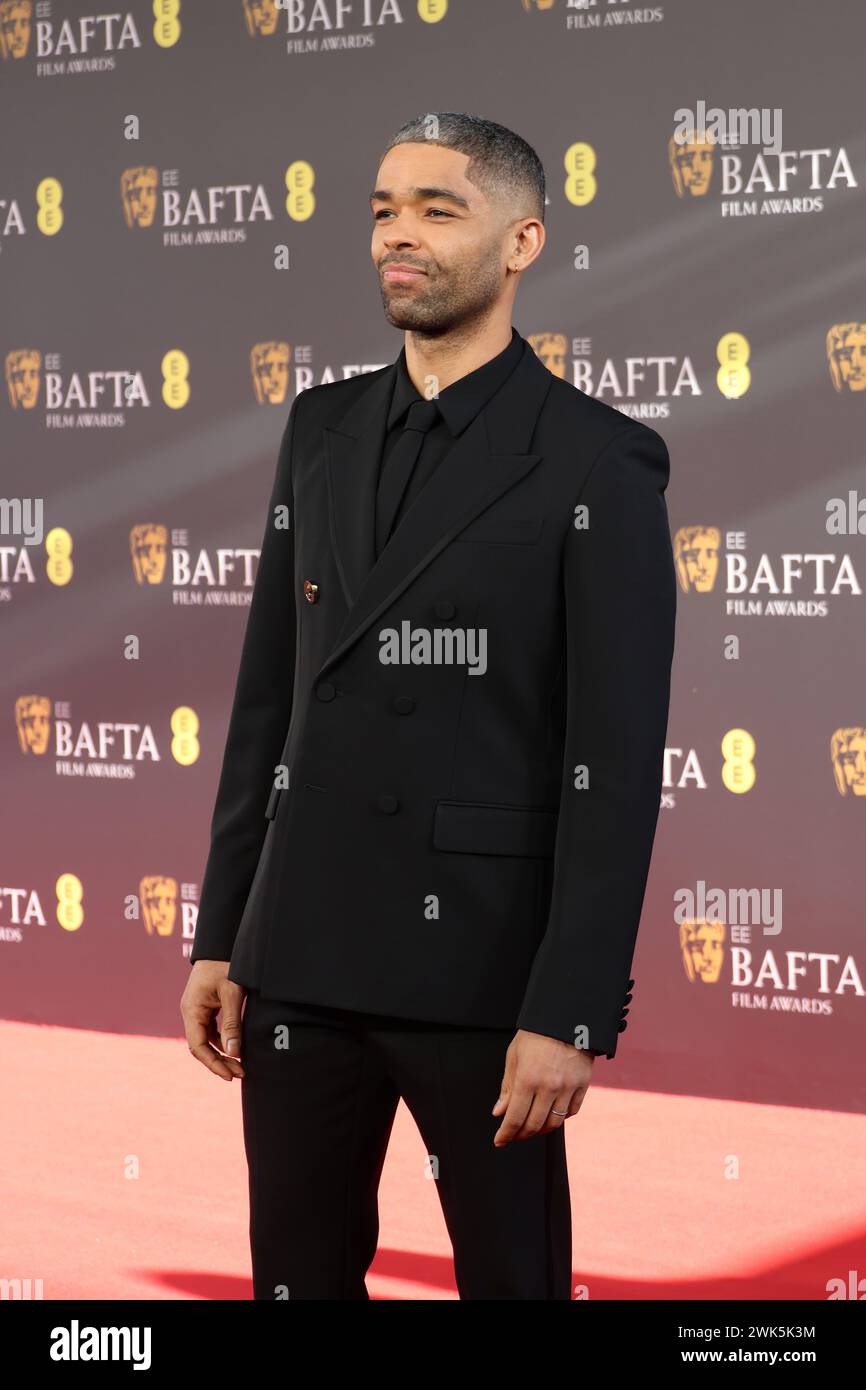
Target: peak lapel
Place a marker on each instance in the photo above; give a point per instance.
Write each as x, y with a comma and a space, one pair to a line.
483, 463
352, 454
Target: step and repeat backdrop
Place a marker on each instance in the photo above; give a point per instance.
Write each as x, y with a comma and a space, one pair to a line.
185, 246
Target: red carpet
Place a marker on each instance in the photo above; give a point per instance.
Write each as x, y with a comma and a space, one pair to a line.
655, 1217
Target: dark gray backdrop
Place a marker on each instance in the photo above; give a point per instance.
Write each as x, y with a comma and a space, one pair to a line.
222, 103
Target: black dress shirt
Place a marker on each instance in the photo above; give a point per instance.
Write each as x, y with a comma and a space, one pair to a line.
458, 405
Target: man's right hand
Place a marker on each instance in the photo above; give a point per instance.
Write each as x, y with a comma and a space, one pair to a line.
209, 990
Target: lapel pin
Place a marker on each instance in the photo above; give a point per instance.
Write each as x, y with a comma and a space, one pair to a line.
311, 591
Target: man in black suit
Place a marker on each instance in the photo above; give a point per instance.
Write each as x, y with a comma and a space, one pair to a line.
439, 794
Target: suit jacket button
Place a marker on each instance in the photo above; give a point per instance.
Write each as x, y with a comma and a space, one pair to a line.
387, 804
311, 591
404, 704
444, 610
325, 691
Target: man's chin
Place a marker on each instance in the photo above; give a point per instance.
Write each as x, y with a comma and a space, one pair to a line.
402, 316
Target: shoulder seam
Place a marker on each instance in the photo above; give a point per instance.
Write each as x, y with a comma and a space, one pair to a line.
602, 451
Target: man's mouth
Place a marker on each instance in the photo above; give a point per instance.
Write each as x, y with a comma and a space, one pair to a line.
401, 274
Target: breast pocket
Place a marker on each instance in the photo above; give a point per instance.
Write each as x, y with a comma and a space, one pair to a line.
502, 531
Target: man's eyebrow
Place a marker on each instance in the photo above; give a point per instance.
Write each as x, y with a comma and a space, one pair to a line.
384, 195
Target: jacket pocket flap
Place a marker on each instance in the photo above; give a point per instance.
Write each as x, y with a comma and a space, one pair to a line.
475, 827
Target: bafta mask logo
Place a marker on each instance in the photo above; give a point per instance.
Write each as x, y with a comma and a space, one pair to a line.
138, 192
543, 5
846, 354
15, 17
848, 754
691, 165
158, 897
23, 377
148, 546
702, 945
269, 367
551, 348
696, 553
261, 16
33, 722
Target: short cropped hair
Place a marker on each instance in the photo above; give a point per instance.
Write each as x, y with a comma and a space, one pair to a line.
502, 164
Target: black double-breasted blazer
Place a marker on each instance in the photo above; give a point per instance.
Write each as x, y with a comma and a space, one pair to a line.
422, 837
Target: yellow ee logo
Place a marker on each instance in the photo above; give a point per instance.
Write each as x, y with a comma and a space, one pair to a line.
58, 566
49, 196
431, 11
580, 186
175, 386
185, 746
70, 891
733, 377
166, 25
301, 202
738, 769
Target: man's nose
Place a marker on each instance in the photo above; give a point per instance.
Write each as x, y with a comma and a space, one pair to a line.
400, 238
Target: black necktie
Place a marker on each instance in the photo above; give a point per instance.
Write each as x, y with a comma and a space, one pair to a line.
398, 467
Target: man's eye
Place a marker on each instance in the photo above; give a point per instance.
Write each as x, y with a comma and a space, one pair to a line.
386, 212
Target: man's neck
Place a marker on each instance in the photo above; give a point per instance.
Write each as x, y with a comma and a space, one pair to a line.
442, 361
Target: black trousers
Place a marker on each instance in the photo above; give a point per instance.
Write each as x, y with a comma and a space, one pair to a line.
320, 1092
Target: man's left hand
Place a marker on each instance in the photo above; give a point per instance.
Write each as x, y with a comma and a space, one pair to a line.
542, 1074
